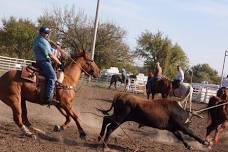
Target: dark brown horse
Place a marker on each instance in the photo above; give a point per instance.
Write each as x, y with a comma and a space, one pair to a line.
14, 91
218, 116
162, 86
114, 79
165, 87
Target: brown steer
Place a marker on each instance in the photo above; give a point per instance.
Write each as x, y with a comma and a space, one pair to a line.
162, 114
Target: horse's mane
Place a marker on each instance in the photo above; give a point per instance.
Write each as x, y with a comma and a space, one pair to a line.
74, 56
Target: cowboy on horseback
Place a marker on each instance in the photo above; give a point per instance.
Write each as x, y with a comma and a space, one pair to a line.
157, 72
154, 78
179, 78
44, 53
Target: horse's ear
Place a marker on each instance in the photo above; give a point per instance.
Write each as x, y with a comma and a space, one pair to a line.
85, 54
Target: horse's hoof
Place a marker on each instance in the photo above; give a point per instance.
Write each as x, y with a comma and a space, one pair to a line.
83, 136
58, 128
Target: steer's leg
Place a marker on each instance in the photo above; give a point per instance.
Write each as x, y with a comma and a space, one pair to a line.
179, 136
120, 116
110, 129
188, 131
106, 121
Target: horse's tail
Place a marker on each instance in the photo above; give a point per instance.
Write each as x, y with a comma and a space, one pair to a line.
105, 112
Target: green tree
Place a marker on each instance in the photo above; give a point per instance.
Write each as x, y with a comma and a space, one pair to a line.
16, 37
157, 48
203, 72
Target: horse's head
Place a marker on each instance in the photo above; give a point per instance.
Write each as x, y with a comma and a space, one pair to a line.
88, 65
222, 93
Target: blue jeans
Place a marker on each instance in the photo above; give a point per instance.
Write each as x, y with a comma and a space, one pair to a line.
49, 73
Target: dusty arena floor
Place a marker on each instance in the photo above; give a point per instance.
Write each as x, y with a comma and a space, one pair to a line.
87, 99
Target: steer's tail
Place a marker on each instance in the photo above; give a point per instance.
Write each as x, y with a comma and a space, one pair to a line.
105, 112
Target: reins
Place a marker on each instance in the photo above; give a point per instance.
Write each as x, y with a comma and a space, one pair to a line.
66, 87
52, 42
80, 66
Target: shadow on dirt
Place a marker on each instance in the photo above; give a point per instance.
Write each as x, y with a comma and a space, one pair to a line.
87, 143
101, 99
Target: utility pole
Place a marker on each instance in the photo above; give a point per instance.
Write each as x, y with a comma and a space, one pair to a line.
95, 29
95, 32
224, 61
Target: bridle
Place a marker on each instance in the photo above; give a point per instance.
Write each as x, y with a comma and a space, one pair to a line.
66, 87
88, 61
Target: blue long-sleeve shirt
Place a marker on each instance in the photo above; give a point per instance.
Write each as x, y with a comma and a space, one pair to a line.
42, 48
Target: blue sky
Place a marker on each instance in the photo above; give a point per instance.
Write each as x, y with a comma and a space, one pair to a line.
200, 27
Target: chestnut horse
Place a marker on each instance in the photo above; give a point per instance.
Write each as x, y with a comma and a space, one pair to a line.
162, 86
114, 79
14, 91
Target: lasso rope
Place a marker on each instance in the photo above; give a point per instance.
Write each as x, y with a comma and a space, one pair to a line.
212, 107
129, 137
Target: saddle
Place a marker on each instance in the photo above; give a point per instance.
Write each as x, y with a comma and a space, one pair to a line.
33, 74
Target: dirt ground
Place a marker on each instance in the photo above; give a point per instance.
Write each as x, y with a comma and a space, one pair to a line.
87, 99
